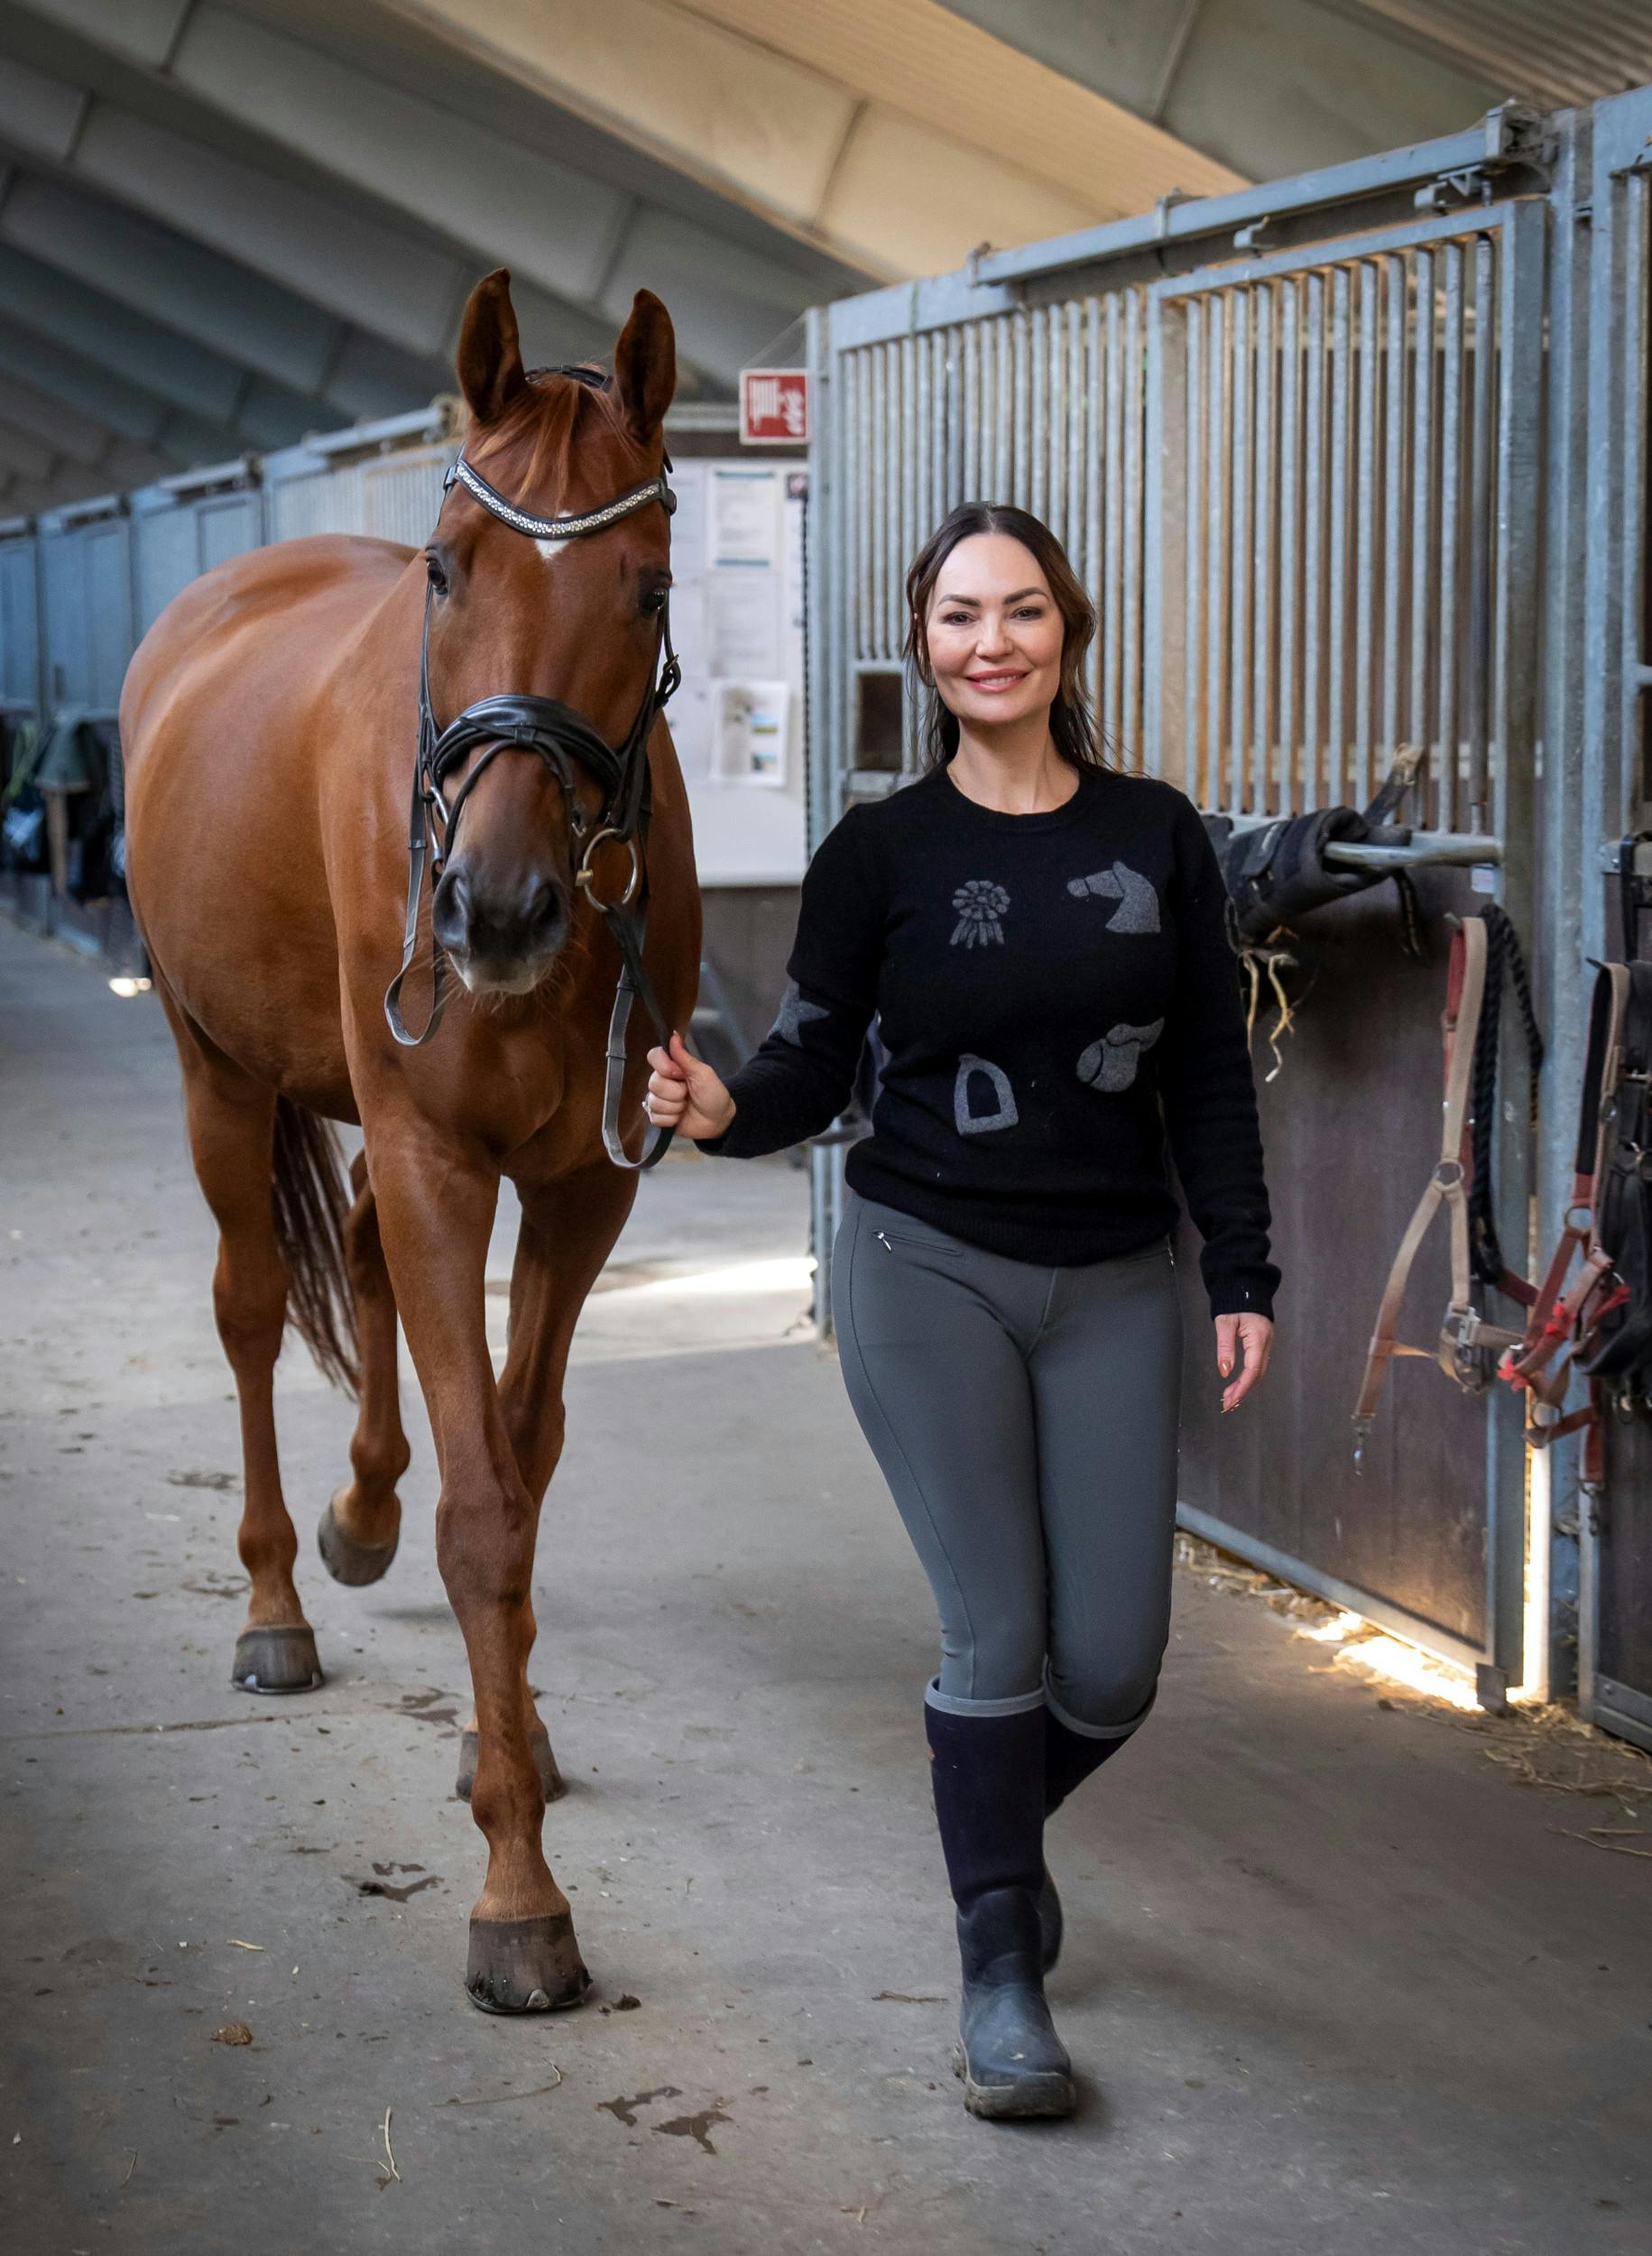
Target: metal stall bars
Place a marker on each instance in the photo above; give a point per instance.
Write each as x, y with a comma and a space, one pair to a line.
86, 581
85, 637
1302, 488
20, 684
1343, 558
185, 525
383, 479
1606, 683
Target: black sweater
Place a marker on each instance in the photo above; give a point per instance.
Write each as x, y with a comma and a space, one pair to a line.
1054, 993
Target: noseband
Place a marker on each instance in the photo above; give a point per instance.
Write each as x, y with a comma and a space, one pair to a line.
568, 743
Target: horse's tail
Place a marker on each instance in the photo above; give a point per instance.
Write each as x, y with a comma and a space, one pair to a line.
311, 1206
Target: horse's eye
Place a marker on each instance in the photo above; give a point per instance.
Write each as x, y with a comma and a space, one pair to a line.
653, 599
436, 571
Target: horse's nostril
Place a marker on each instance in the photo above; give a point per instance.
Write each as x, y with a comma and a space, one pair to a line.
450, 910
495, 927
546, 913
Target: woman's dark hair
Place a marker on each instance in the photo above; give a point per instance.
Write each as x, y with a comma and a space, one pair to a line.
1071, 726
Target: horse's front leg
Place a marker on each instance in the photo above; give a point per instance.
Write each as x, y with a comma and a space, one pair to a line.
436, 1210
568, 1227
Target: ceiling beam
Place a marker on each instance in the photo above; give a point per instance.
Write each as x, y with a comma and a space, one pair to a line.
888, 132
301, 356
1317, 81
187, 375
24, 455
91, 389
109, 369
560, 229
119, 251
82, 437
577, 246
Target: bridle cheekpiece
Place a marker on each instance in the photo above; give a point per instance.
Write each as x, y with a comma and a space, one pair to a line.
517, 721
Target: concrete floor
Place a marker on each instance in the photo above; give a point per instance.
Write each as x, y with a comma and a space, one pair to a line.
1335, 1980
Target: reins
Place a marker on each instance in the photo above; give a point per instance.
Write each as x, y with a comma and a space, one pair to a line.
516, 721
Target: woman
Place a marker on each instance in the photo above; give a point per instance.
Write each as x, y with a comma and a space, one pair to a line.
1043, 942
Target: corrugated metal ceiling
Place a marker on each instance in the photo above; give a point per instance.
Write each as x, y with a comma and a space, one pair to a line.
1551, 53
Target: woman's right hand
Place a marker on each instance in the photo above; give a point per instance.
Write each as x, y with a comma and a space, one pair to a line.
685, 1094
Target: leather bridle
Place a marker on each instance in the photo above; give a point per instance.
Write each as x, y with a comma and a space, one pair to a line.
567, 743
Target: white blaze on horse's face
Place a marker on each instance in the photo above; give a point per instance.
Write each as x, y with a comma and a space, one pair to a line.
551, 551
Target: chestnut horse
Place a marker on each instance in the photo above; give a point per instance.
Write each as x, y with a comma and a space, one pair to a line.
271, 720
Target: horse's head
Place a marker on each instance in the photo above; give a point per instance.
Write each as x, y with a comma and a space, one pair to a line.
573, 619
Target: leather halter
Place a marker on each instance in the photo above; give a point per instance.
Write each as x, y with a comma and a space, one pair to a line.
516, 721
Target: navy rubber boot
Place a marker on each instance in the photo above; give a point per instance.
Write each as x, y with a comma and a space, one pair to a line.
1069, 1758
988, 1773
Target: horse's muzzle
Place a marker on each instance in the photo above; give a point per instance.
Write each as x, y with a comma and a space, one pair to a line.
501, 938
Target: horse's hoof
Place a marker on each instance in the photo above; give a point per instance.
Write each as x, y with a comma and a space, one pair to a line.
276, 1660
525, 1966
539, 1746
348, 1561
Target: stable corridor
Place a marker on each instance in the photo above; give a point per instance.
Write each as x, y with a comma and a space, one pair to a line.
1338, 1973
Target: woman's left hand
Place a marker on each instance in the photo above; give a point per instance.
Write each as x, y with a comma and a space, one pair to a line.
1254, 1335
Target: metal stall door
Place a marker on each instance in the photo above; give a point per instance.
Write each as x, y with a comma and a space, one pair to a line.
228, 524
1303, 490
20, 687
402, 494
166, 554
1041, 406
1614, 786
1342, 559
63, 594
175, 539
304, 495
394, 495
109, 609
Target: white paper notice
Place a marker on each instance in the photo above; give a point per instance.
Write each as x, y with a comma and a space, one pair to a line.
743, 623
745, 517
749, 730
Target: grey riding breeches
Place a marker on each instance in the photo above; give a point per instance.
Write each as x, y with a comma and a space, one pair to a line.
1025, 1418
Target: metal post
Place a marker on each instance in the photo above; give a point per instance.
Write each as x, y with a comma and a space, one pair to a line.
1286, 787
1515, 728
1446, 793
1559, 968
1262, 519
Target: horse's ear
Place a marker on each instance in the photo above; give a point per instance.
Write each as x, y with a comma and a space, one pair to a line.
490, 356
645, 365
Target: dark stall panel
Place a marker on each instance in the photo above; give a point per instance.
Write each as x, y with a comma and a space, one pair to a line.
19, 626
63, 573
1623, 1692
1352, 1130
109, 619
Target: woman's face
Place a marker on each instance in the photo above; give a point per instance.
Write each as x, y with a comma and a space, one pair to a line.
994, 632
